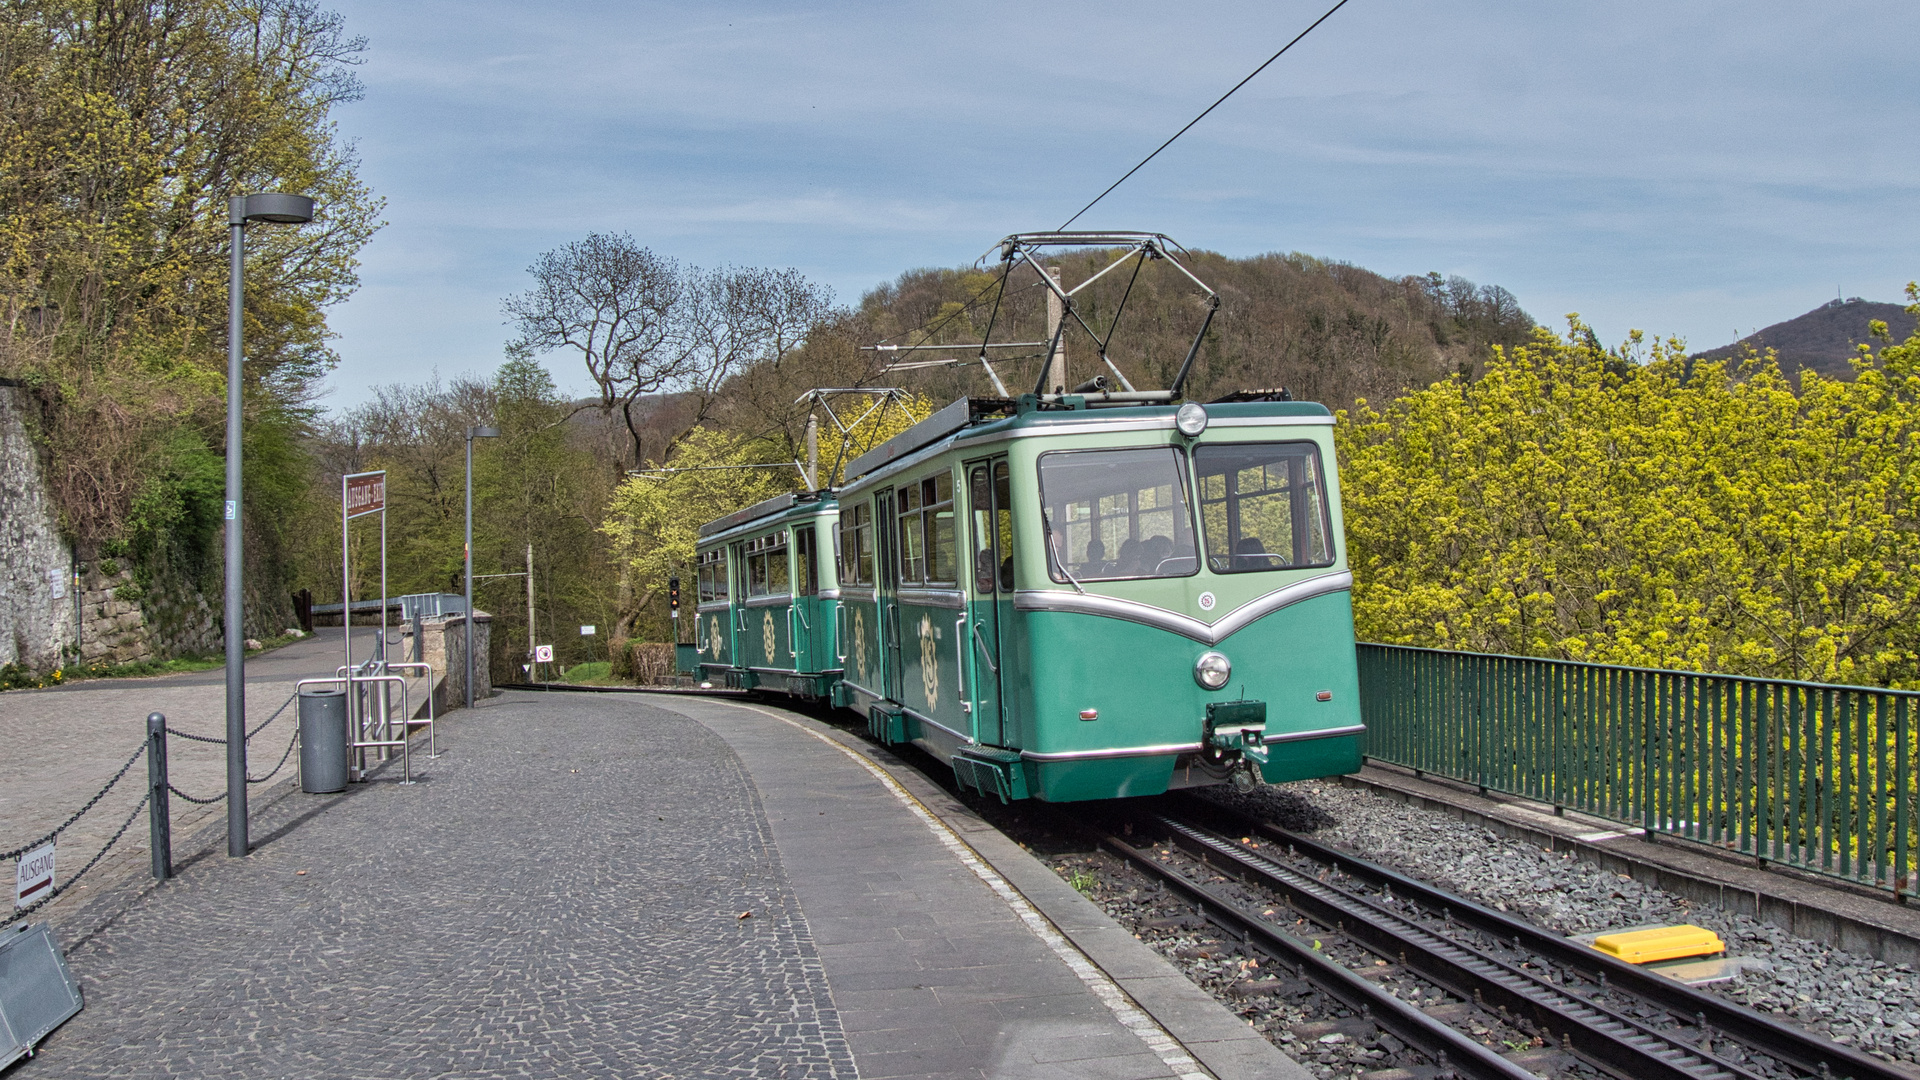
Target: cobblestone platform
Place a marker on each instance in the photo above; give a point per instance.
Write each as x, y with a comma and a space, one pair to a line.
579, 887
605, 885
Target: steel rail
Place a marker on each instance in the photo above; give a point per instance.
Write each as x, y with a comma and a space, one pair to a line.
1615, 1042
1451, 1051
1801, 1049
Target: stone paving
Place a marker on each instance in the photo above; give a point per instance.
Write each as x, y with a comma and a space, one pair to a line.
62, 743
580, 886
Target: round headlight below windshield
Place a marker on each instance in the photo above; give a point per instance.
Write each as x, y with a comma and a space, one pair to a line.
1212, 670
1191, 419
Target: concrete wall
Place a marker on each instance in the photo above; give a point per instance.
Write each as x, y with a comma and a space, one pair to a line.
37, 608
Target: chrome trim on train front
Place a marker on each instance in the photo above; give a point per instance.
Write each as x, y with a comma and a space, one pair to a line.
1113, 752
1112, 607
767, 601
1323, 733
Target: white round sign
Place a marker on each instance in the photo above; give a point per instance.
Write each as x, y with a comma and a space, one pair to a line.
1206, 601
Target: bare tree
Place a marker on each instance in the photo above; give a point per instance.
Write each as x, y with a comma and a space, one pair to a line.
614, 301
736, 318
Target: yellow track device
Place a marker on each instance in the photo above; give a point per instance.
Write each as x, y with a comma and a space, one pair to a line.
1660, 943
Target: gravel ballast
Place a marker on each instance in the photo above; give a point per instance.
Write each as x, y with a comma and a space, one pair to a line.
1854, 1000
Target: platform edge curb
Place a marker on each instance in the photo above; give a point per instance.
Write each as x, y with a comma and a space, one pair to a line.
1226, 1045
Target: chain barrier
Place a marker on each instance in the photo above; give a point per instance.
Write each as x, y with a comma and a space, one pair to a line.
258, 728
54, 833
197, 802
283, 761
59, 890
77, 814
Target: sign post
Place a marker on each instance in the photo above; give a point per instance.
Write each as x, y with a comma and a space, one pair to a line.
361, 494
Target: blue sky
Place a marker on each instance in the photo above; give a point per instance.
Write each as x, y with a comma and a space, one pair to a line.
1697, 169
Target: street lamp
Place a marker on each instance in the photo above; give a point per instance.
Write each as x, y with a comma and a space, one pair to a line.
477, 432
241, 209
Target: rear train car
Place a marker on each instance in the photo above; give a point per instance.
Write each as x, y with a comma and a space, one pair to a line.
767, 596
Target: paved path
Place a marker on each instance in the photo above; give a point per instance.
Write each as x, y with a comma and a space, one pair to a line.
563, 895
61, 744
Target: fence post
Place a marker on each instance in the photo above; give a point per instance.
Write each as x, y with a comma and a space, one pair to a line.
159, 820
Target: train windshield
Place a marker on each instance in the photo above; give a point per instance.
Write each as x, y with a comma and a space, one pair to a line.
1116, 514
1263, 506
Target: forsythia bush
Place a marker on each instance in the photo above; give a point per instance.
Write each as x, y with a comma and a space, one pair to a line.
1635, 507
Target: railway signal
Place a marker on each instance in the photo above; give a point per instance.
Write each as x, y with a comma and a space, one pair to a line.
673, 597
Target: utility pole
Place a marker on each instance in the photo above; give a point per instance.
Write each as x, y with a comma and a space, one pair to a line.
530, 610
1057, 362
813, 452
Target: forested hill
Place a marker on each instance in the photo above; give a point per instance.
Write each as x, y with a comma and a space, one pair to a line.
1327, 331
1823, 339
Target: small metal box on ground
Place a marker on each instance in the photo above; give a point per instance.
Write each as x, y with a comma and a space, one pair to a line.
1658, 943
37, 993
323, 739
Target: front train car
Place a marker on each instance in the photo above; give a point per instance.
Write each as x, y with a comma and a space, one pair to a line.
1068, 604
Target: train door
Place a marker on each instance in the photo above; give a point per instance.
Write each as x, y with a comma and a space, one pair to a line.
807, 630
737, 608
990, 592
887, 584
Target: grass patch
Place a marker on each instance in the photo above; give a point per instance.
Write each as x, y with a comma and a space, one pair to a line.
598, 673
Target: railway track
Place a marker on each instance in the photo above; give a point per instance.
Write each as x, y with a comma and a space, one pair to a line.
1500, 972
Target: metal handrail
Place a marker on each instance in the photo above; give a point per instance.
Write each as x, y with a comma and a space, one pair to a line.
1815, 776
433, 750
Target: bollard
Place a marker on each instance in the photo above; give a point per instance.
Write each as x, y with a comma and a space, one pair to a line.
159, 818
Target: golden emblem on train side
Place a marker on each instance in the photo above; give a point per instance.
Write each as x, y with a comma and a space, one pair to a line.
713, 635
929, 660
860, 644
766, 634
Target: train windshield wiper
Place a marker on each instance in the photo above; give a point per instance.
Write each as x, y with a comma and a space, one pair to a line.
1059, 557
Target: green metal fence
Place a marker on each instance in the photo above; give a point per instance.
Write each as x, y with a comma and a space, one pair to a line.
1812, 776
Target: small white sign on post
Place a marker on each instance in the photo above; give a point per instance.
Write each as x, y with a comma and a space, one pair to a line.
33, 876
587, 630
543, 654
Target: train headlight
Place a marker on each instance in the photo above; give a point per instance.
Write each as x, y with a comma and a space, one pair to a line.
1212, 670
1191, 419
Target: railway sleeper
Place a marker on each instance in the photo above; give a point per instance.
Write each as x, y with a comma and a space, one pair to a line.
1604, 1038
1727, 1022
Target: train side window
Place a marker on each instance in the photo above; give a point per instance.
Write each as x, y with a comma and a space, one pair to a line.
936, 493
856, 544
807, 570
913, 545
712, 576
767, 565
1003, 512
1263, 506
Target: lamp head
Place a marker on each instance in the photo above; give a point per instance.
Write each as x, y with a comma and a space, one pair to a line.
278, 208
483, 432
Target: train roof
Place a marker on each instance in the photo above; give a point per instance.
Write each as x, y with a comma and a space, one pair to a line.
775, 507
977, 417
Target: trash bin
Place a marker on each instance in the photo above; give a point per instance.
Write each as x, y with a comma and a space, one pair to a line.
323, 739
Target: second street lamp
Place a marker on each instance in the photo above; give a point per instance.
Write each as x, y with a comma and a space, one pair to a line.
241, 209
476, 432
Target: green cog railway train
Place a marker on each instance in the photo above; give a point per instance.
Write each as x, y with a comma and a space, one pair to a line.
1062, 602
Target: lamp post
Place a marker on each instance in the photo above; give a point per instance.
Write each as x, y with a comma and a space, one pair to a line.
241, 209
476, 432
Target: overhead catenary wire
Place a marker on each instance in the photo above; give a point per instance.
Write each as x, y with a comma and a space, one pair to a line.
1203, 114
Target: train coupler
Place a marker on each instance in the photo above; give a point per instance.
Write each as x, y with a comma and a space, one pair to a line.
1238, 727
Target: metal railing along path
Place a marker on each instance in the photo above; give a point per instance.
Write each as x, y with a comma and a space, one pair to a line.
1813, 776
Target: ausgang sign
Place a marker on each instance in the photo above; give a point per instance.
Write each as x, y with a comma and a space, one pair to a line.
363, 493
33, 877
